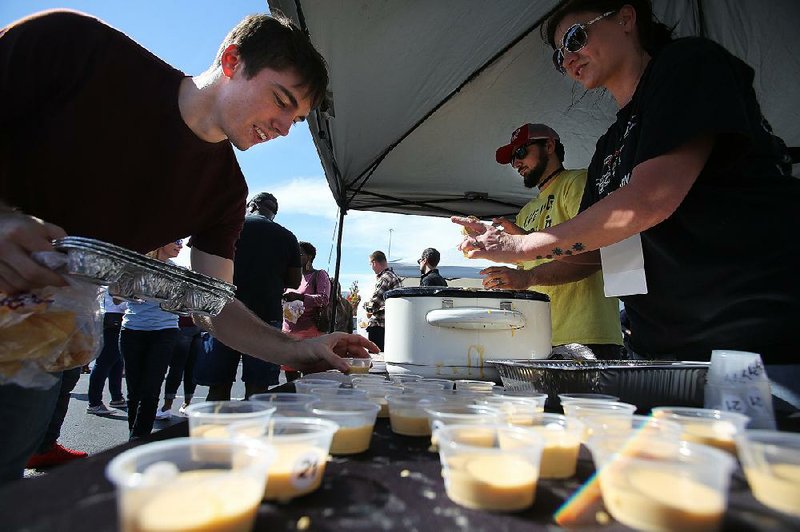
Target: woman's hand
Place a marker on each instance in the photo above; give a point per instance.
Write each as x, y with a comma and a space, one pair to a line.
292, 296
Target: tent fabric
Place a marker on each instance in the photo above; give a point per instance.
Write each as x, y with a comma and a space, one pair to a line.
422, 93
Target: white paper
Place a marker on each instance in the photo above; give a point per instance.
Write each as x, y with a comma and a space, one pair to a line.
623, 268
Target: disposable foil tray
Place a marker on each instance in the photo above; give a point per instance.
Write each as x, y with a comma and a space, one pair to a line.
136, 277
644, 383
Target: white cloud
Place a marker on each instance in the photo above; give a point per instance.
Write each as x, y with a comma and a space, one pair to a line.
304, 195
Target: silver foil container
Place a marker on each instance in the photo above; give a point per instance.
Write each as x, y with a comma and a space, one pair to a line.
136, 277
644, 383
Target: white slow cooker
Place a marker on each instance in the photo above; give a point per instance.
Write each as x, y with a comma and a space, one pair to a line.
452, 332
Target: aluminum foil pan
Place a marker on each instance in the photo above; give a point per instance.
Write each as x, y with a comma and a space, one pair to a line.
136, 277
645, 383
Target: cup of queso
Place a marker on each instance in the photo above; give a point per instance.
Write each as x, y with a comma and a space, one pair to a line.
377, 392
490, 467
212, 419
301, 446
356, 420
771, 463
286, 404
305, 385
407, 415
561, 436
652, 483
190, 484
717, 428
519, 410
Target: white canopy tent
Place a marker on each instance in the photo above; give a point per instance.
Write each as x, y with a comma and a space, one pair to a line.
422, 92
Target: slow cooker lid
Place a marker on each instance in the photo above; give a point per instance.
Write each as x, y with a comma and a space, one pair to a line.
442, 291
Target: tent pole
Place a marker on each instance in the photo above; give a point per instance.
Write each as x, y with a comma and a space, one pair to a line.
334, 292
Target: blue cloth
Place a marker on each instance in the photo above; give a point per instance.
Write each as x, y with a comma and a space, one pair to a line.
148, 316
217, 364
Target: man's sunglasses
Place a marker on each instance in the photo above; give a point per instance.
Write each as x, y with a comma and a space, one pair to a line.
522, 151
574, 40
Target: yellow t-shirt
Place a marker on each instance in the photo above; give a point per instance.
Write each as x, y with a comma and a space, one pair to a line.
580, 311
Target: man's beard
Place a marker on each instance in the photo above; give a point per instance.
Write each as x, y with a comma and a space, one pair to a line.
532, 178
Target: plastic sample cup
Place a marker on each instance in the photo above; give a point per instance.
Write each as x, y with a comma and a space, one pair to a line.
190, 484
212, 419
656, 484
446, 384
609, 411
642, 425
402, 378
377, 392
771, 462
356, 420
519, 411
370, 378
301, 446
500, 473
567, 397
287, 404
306, 385
562, 442
451, 413
340, 393
737, 382
424, 387
707, 426
475, 386
358, 365
407, 414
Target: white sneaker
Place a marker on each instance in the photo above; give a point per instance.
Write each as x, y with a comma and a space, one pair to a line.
163, 414
182, 410
100, 410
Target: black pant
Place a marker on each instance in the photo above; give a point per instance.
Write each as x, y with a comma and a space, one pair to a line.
69, 379
109, 364
181, 366
147, 355
376, 335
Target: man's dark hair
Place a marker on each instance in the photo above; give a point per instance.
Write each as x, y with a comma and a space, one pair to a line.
273, 41
653, 35
432, 256
378, 256
308, 249
263, 203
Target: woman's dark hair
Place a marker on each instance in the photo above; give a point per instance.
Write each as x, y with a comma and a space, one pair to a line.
653, 34
274, 42
308, 249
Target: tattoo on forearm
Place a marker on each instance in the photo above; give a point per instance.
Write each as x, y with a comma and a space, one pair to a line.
577, 247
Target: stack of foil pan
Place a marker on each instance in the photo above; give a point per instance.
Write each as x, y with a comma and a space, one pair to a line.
136, 277
645, 383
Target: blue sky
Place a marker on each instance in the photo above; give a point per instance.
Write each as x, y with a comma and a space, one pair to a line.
186, 34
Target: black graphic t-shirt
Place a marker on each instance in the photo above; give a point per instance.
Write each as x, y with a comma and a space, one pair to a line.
721, 270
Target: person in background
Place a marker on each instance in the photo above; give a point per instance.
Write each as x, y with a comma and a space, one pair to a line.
376, 306
181, 367
109, 364
579, 310
692, 170
427, 267
314, 291
267, 262
62, 83
146, 341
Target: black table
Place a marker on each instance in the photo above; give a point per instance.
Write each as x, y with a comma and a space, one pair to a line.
396, 485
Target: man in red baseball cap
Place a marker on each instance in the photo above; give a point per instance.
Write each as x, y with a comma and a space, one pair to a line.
579, 310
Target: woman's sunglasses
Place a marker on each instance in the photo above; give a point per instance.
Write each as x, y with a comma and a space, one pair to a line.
574, 40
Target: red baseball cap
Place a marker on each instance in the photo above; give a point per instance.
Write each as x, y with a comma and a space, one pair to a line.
521, 136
